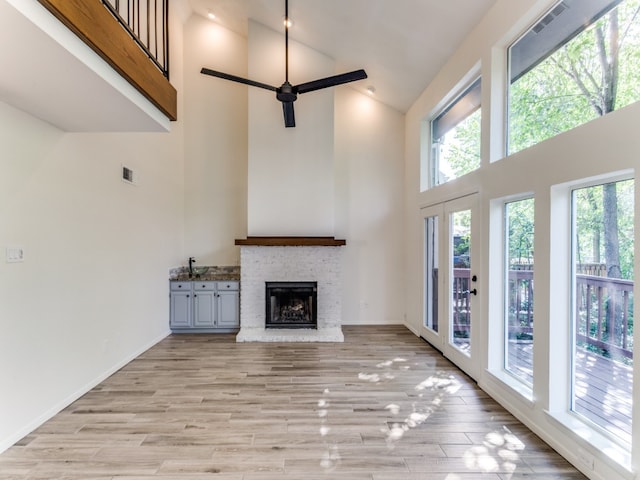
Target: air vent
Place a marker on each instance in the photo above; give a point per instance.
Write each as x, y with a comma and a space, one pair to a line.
128, 175
561, 7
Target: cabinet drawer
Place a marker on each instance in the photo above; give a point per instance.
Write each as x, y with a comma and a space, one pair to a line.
228, 285
180, 286
204, 286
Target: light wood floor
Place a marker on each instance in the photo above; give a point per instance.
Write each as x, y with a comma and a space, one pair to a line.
382, 406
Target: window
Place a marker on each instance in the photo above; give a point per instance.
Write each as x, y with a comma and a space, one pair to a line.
518, 308
462, 290
431, 273
455, 137
579, 62
603, 280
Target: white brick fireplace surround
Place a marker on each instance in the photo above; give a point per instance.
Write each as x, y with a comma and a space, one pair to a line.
290, 259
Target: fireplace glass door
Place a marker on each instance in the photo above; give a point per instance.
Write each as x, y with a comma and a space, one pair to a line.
291, 305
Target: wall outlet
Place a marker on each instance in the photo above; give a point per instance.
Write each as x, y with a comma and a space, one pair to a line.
15, 254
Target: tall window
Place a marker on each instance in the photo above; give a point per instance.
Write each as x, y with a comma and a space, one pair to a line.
579, 62
431, 273
518, 318
455, 137
603, 279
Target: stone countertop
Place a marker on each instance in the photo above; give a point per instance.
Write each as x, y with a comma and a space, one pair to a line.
206, 278
214, 274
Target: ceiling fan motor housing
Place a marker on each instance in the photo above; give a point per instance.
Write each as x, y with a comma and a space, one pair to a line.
286, 93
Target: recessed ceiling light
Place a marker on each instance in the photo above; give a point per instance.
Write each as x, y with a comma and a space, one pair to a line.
287, 22
371, 90
211, 15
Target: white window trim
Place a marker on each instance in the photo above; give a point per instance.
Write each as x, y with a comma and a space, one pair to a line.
561, 301
497, 301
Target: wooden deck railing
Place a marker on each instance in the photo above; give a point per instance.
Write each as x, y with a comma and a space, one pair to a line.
604, 315
604, 306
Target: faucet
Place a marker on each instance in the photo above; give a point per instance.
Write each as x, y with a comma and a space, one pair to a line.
192, 260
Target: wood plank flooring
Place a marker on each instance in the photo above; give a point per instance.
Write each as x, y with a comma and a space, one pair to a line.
381, 406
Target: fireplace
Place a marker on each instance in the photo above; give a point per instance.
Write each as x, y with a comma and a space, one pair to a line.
291, 305
288, 261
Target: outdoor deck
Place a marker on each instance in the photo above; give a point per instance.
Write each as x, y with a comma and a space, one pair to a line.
603, 387
603, 323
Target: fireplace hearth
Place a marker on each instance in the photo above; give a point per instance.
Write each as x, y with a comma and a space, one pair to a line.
291, 305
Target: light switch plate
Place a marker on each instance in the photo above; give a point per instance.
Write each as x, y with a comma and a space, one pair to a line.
15, 254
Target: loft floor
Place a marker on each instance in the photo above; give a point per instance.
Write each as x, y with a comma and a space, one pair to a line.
383, 405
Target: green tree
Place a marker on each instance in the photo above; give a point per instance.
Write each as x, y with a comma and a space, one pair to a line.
590, 76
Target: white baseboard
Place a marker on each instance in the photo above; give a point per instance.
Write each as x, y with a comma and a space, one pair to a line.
57, 408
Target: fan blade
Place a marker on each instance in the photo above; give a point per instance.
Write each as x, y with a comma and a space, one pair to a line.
330, 81
289, 116
233, 78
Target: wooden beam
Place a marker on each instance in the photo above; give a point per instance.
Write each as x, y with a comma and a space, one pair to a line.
94, 24
291, 242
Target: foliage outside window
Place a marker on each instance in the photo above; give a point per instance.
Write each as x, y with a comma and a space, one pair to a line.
460, 247
603, 283
519, 236
455, 137
568, 70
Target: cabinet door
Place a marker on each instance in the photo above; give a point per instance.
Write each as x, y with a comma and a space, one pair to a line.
180, 310
204, 309
228, 310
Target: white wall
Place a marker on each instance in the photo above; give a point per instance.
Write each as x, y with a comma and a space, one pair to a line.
91, 293
606, 145
369, 144
215, 120
291, 180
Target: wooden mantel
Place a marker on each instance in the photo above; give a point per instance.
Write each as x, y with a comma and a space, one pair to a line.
291, 242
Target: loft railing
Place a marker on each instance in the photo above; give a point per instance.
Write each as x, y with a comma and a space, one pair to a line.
129, 49
147, 21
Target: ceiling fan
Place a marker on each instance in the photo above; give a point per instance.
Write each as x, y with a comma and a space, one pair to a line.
287, 93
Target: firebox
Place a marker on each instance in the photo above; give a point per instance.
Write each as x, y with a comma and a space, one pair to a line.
291, 305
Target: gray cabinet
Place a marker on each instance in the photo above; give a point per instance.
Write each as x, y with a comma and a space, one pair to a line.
204, 306
228, 305
181, 301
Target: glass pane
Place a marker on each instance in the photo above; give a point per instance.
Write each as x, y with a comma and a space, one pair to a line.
431, 273
519, 229
461, 286
603, 249
565, 72
455, 143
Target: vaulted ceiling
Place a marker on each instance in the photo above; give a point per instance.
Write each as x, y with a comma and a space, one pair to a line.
402, 44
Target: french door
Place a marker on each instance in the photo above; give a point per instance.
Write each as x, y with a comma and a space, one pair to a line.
450, 280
